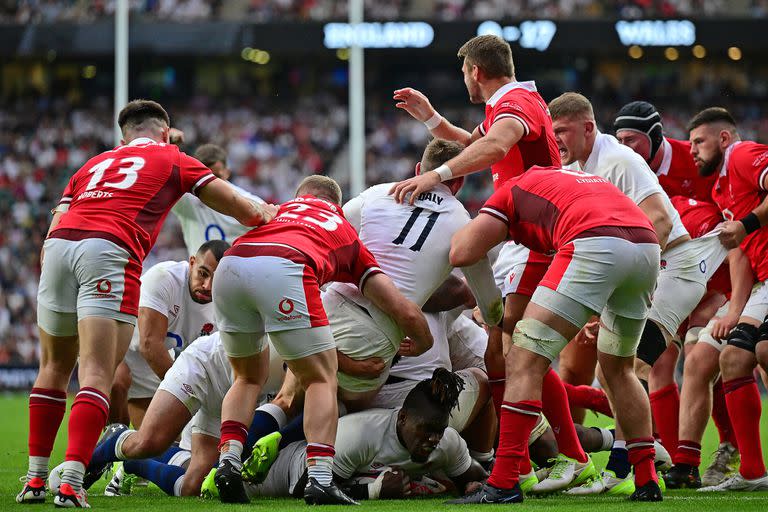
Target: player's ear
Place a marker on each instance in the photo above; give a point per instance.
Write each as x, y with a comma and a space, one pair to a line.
417, 170
192, 261
725, 138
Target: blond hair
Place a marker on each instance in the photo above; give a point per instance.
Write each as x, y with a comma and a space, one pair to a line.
571, 105
439, 151
320, 186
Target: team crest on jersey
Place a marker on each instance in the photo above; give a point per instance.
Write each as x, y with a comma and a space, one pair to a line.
663, 264
175, 309
207, 329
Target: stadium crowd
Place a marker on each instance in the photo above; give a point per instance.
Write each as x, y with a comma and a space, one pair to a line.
185, 11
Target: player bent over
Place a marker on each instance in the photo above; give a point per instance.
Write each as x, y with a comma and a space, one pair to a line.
607, 262
105, 224
269, 282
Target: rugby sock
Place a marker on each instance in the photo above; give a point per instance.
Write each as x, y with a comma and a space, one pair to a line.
163, 475
588, 397
641, 455
111, 450
720, 415
618, 460
558, 413
233, 436
608, 439
46, 410
87, 419
688, 453
497, 382
517, 422
73, 473
293, 431
320, 462
665, 406
168, 454
525, 463
743, 399
267, 419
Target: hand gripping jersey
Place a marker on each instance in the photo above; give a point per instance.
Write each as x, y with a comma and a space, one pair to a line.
521, 101
739, 190
317, 229
545, 208
678, 174
200, 223
124, 195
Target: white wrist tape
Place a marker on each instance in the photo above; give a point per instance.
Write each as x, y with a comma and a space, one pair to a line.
374, 488
444, 172
433, 121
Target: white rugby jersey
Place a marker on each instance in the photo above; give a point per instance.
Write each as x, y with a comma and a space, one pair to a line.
630, 173
200, 223
412, 243
366, 442
165, 288
438, 356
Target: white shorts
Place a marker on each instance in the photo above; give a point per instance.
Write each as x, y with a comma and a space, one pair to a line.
358, 336
197, 384
144, 381
705, 335
91, 277
392, 396
467, 342
757, 305
683, 277
518, 269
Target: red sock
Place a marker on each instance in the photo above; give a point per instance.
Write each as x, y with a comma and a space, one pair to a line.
320, 450
641, 455
525, 462
555, 405
86, 421
497, 382
665, 406
588, 397
688, 452
744, 408
517, 421
233, 431
46, 410
720, 415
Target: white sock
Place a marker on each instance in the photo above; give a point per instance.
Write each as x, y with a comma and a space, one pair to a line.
119, 444
38, 467
73, 474
607, 439
321, 469
233, 452
620, 444
177, 486
481, 456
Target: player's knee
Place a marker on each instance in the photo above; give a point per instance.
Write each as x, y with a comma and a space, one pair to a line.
736, 362
540, 339
652, 343
699, 365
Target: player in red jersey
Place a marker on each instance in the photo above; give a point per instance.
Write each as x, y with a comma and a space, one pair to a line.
105, 224
638, 125
515, 135
740, 192
606, 261
269, 282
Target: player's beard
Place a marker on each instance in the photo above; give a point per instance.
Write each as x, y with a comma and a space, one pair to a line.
197, 298
708, 167
474, 93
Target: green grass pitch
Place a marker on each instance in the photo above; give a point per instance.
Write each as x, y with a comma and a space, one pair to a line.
13, 433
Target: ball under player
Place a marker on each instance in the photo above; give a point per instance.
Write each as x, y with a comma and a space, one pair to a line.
174, 309
740, 192
639, 126
606, 261
515, 135
269, 282
106, 222
199, 223
392, 446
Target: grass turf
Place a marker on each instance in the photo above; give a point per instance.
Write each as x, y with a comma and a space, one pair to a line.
13, 448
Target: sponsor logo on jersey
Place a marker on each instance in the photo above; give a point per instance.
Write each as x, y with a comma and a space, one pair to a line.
175, 309
286, 306
188, 389
104, 289
207, 329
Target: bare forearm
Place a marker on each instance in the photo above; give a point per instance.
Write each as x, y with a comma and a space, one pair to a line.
478, 156
448, 131
741, 281
156, 356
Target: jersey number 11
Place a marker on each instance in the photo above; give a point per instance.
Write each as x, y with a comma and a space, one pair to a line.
424, 232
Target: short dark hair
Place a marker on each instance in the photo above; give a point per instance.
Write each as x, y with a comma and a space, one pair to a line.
490, 53
217, 248
439, 393
209, 154
712, 115
137, 112
439, 151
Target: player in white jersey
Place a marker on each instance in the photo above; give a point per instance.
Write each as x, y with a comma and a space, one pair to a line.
411, 245
389, 446
686, 264
189, 396
174, 309
199, 223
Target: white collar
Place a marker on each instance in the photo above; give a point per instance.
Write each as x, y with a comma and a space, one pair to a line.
666, 160
593, 156
726, 156
504, 89
141, 140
